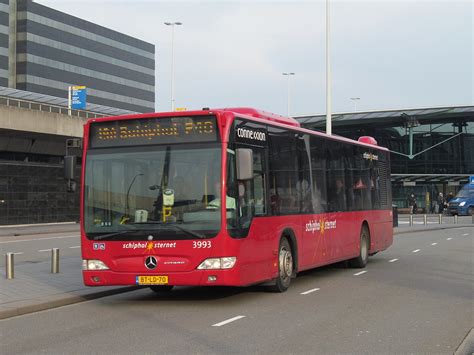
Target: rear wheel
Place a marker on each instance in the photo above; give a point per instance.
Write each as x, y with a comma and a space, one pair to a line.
285, 267
470, 211
361, 260
161, 288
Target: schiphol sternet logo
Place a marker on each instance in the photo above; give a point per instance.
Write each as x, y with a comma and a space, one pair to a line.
149, 246
320, 226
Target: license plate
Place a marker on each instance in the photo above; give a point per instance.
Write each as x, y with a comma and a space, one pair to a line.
152, 280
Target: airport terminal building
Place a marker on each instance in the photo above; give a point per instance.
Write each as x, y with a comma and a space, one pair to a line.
45, 51
432, 149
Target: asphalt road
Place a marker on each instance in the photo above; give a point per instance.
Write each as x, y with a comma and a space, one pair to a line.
416, 297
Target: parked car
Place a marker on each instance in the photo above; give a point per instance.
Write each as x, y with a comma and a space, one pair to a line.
463, 202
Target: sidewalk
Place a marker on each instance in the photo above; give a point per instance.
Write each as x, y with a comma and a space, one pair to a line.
34, 288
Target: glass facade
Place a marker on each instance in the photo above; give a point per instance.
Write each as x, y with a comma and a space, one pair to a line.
55, 50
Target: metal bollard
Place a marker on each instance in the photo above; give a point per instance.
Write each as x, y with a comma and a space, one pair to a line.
440, 218
10, 267
425, 219
411, 220
455, 219
55, 260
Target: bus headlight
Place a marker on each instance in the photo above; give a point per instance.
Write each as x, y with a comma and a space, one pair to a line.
93, 265
462, 203
218, 263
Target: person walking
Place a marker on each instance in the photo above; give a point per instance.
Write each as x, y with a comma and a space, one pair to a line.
412, 203
441, 203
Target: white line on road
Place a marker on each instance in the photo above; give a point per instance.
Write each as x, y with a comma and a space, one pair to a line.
434, 243
77, 246
43, 250
19, 253
309, 291
449, 238
465, 234
228, 321
392, 261
416, 250
39, 239
360, 273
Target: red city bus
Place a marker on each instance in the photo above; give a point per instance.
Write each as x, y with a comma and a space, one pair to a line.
294, 199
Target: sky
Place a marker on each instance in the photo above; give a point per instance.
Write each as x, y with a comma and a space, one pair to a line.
389, 54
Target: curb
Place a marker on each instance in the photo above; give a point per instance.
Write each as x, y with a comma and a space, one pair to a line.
64, 301
17, 233
37, 225
467, 345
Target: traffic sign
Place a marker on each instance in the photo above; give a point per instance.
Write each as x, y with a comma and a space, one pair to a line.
78, 97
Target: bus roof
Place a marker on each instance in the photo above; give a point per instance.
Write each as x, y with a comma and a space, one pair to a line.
250, 113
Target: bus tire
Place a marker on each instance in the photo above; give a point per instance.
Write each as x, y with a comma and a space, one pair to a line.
361, 260
285, 267
161, 288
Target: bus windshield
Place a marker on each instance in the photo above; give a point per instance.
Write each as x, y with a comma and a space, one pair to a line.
165, 191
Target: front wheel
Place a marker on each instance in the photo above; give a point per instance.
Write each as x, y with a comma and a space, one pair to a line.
470, 211
361, 260
285, 267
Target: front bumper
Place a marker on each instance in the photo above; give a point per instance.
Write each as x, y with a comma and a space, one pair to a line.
228, 277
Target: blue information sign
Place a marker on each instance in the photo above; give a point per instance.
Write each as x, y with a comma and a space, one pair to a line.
78, 97
471, 180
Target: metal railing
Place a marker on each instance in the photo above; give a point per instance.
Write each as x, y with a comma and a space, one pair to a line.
432, 219
33, 105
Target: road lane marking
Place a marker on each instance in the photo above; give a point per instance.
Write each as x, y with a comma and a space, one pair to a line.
309, 291
43, 250
77, 246
434, 243
449, 238
392, 261
228, 321
360, 273
19, 253
465, 234
38, 239
416, 250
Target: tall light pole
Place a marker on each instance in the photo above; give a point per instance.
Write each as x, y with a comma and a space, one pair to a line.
328, 75
355, 99
288, 75
172, 24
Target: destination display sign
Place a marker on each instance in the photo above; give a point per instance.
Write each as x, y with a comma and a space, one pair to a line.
146, 131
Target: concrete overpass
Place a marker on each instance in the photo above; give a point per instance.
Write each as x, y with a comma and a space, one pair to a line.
40, 122
23, 130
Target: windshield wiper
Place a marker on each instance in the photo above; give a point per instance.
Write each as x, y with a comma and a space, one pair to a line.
175, 226
110, 235
187, 231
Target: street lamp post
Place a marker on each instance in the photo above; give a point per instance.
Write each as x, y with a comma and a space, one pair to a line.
288, 75
355, 99
172, 24
328, 75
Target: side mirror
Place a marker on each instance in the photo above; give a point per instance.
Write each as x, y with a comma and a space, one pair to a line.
69, 167
244, 159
